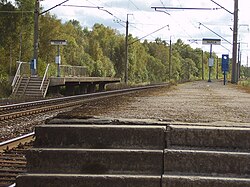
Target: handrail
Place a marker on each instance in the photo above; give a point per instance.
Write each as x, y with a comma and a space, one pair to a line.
17, 73
44, 76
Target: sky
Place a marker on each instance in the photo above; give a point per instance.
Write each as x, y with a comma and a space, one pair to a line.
191, 26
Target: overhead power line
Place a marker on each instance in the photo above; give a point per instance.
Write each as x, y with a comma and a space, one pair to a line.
134, 5
100, 8
181, 8
216, 33
80, 6
222, 7
148, 34
53, 7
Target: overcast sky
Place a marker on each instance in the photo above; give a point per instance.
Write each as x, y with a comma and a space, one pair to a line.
183, 24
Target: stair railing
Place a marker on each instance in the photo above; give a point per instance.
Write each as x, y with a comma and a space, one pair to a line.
44, 76
17, 76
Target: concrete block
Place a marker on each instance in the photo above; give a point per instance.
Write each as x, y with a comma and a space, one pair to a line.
95, 161
209, 137
101, 136
206, 162
201, 181
56, 180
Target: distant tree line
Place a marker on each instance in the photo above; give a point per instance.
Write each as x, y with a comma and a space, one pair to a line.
101, 49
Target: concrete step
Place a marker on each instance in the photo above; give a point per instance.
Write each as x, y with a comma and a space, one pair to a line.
95, 161
201, 181
56, 180
206, 162
230, 138
101, 136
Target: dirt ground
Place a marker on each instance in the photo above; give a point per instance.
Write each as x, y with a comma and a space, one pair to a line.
190, 102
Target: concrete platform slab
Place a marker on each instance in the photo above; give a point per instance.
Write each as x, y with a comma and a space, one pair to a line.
95, 161
207, 162
203, 181
56, 180
230, 138
101, 136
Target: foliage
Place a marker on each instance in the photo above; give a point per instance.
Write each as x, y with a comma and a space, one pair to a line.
101, 50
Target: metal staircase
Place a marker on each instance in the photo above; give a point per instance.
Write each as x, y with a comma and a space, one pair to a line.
33, 86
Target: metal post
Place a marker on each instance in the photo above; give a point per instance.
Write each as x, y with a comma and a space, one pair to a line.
36, 27
235, 35
126, 53
224, 73
217, 69
239, 63
210, 67
170, 58
58, 61
202, 64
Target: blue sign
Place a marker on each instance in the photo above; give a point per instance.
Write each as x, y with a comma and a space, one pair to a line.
225, 63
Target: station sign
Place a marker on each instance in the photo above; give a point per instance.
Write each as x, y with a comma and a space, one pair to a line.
225, 63
209, 41
58, 42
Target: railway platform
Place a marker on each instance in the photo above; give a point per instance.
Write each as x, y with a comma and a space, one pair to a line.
81, 85
73, 79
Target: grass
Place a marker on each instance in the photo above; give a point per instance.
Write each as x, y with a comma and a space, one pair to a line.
245, 85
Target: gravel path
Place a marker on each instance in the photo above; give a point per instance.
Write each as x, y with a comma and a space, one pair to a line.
190, 102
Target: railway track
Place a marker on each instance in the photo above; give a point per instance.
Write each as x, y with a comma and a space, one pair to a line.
12, 152
22, 109
12, 158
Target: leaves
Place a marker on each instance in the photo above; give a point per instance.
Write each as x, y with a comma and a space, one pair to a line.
101, 50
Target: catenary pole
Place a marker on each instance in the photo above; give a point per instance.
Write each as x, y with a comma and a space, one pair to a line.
126, 52
35, 55
235, 35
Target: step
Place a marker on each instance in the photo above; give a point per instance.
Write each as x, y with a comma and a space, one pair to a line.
33, 93
206, 162
37, 91
101, 136
95, 161
56, 180
201, 181
209, 137
32, 89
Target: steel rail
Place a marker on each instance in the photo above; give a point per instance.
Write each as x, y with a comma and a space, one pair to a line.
9, 144
9, 111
